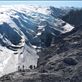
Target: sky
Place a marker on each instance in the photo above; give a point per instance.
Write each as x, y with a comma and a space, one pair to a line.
44, 3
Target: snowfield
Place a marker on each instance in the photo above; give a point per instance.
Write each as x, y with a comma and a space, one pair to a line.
22, 30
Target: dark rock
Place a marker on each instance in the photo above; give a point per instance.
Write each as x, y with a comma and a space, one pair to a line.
70, 61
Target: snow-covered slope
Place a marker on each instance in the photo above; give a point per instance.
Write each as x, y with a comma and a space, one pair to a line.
24, 28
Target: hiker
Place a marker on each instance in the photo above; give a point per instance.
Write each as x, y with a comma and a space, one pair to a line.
31, 67
34, 66
23, 68
19, 69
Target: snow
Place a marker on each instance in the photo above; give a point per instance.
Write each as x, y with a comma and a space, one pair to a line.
29, 8
63, 29
9, 61
67, 28
5, 55
34, 46
28, 57
4, 18
39, 33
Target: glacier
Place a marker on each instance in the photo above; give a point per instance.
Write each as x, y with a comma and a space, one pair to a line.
23, 30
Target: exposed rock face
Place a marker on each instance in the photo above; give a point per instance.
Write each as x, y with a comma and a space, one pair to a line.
65, 57
70, 61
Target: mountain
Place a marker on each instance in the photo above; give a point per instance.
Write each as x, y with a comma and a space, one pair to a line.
25, 30
61, 62
64, 58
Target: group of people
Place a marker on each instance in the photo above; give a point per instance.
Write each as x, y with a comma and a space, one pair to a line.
23, 68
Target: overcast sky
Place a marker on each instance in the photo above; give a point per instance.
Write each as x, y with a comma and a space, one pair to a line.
45, 3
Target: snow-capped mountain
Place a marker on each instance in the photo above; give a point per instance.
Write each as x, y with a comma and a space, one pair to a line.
24, 28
